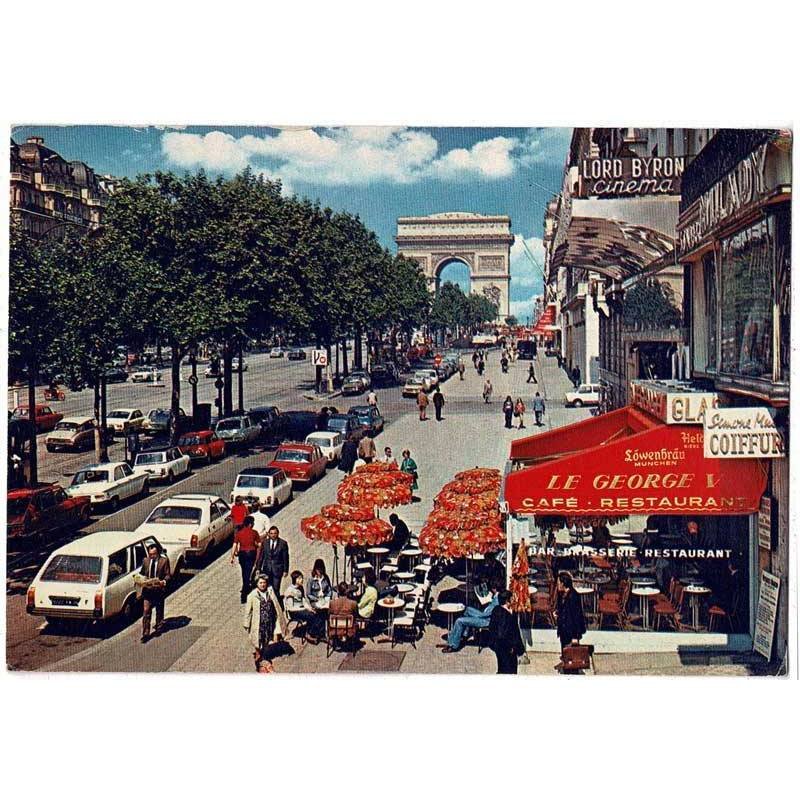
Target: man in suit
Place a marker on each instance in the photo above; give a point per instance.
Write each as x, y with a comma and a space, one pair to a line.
156, 567
273, 560
505, 636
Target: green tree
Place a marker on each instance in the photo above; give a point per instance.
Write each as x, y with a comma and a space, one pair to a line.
651, 304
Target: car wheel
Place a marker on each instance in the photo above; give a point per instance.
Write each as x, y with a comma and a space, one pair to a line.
170, 477
129, 610
208, 460
113, 504
578, 404
143, 492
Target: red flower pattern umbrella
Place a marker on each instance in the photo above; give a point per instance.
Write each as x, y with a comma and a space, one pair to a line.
384, 488
348, 513
352, 533
520, 593
465, 503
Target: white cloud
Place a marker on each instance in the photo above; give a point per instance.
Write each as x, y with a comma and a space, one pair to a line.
350, 156
524, 273
545, 144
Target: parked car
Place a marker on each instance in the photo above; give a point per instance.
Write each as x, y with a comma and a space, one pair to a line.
238, 431
270, 486
157, 421
417, 381
369, 417
122, 421
298, 424
236, 367
108, 484
329, 442
276, 352
587, 394
43, 512
145, 375
348, 426
384, 375
166, 464
303, 463
203, 446
296, 354
272, 422
116, 373
357, 382
431, 374
192, 522
92, 578
44, 417
72, 433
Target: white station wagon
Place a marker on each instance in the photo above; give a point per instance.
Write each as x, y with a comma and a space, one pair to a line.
123, 420
91, 578
108, 484
269, 485
164, 465
329, 442
587, 394
192, 522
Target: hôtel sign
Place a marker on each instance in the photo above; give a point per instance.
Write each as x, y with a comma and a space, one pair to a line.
631, 176
672, 405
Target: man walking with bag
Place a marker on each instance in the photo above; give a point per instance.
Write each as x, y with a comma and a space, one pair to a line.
155, 569
505, 636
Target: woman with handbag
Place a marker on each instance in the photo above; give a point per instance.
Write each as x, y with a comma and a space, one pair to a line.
263, 618
410, 466
519, 412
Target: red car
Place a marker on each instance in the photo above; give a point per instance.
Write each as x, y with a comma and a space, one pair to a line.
43, 511
202, 446
303, 463
45, 418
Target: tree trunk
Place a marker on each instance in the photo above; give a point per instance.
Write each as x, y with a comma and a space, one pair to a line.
345, 368
241, 377
175, 368
227, 376
337, 359
358, 354
318, 376
98, 436
33, 464
103, 410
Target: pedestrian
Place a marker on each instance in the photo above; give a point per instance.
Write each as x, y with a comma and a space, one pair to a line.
531, 374
508, 410
487, 391
388, 457
438, 403
155, 569
348, 457
504, 363
322, 418
461, 370
519, 412
505, 636
238, 511
372, 399
261, 521
367, 449
133, 445
570, 621
475, 359
274, 559
409, 466
246, 544
422, 403
263, 619
576, 376
538, 408
481, 365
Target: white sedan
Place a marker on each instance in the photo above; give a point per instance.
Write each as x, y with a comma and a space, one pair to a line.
329, 442
145, 374
165, 464
194, 523
107, 484
123, 420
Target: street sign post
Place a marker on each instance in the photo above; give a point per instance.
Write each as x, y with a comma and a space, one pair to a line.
319, 358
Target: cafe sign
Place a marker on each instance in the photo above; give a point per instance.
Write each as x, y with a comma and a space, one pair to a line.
673, 405
742, 433
631, 176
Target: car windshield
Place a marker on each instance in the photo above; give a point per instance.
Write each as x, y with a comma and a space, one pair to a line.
67, 426
151, 458
419, 377
20, 412
324, 441
292, 455
73, 569
16, 506
175, 515
229, 425
118, 415
158, 412
185, 441
90, 476
337, 424
254, 482
361, 411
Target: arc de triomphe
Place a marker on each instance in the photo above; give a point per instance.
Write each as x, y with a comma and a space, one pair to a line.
481, 242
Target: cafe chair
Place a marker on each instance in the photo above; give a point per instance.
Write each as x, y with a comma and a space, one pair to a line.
612, 604
716, 615
341, 629
543, 604
410, 626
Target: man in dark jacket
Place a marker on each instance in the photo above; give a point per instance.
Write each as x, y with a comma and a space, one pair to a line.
348, 456
155, 568
438, 403
505, 636
570, 622
274, 559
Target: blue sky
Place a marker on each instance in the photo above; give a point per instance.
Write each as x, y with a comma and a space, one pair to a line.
379, 173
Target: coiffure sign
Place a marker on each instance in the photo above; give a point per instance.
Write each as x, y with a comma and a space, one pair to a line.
672, 405
631, 176
741, 433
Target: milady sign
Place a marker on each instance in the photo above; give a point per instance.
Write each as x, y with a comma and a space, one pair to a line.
673, 405
741, 433
631, 176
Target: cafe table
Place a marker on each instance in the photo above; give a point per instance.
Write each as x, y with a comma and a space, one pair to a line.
450, 609
376, 553
641, 580
405, 588
695, 592
391, 604
644, 593
412, 554
403, 577
585, 591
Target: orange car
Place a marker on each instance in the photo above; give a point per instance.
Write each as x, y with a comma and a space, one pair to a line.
204, 446
303, 463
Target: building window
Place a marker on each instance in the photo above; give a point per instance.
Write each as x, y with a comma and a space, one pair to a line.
747, 292
710, 287
783, 288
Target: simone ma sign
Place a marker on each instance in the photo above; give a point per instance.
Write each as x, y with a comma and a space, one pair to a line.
631, 176
741, 433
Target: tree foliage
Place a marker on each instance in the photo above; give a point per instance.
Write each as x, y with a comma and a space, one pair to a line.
651, 304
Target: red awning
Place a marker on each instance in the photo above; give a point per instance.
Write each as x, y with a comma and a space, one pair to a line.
548, 317
625, 463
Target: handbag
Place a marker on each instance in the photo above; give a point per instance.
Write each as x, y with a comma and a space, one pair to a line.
577, 656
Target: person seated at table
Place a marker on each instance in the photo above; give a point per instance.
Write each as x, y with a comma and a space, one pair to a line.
401, 532
472, 618
490, 572
343, 603
570, 622
318, 586
369, 597
298, 607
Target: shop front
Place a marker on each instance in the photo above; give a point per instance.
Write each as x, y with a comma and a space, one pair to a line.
660, 535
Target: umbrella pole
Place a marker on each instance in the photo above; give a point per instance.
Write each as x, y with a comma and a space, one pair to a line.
336, 565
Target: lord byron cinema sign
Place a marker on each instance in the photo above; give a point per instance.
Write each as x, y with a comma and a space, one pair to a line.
631, 176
